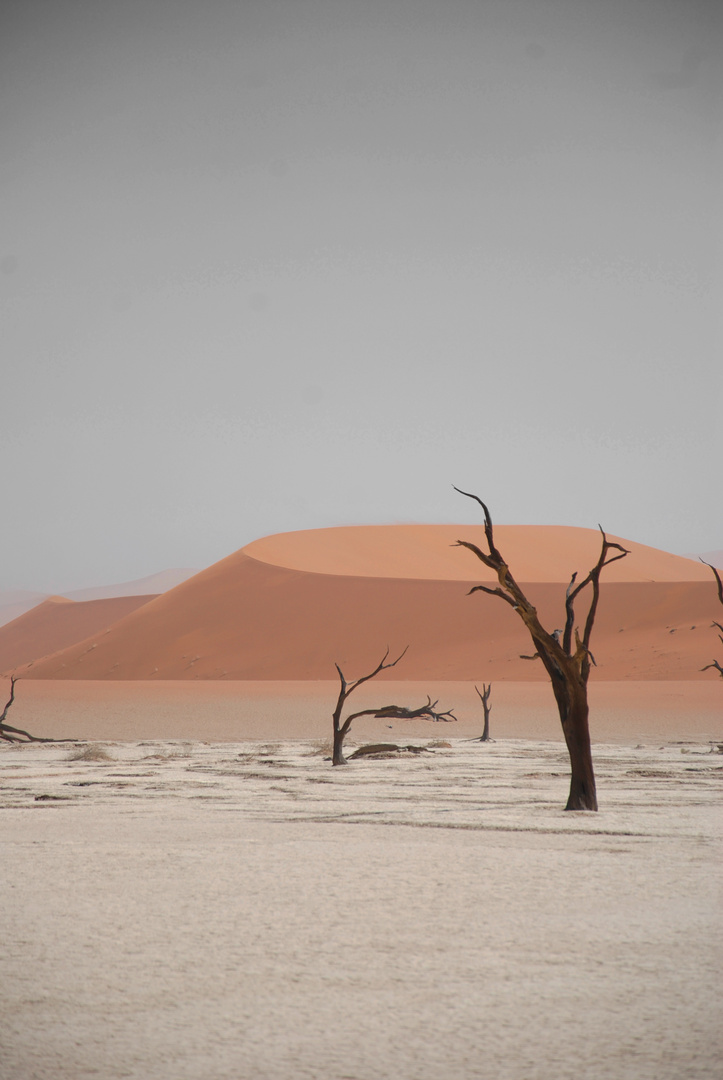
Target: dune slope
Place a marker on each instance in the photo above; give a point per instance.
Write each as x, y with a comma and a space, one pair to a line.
266, 612
57, 623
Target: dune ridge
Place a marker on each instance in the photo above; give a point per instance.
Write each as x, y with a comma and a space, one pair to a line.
250, 617
57, 623
540, 553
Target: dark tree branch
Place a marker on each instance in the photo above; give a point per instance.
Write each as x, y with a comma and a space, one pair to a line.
719, 583
568, 670
494, 553
18, 735
715, 664
381, 666
486, 559
399, 712
492, 592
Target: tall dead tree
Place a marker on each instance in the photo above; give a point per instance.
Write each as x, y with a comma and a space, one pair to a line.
716, 663
17, 735
485, 699
567, 667
385, 712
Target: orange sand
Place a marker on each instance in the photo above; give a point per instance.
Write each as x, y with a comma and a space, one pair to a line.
218, 711
268, 612
543, 553
58, 622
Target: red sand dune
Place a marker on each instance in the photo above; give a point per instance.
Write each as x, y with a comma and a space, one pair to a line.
544, 553
289, 606
57, 623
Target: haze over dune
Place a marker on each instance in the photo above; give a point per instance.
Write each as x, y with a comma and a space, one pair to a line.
58, 622
15, 602
290, 606
152, 585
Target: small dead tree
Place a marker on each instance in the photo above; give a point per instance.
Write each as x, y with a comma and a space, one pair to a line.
568, 668
485, 699
385, 712
716, 663
17, 735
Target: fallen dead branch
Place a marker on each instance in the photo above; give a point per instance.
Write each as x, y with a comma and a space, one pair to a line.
18, 735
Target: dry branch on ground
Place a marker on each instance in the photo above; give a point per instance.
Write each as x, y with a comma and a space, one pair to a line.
428, 711
18, 735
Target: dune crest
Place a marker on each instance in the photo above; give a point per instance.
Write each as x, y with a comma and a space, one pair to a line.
544, 553
57, 623
249, 616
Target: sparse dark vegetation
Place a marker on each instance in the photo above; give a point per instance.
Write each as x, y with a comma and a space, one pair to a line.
716, 663
386, 712
568, 666
484, 696
18, 735
94, 752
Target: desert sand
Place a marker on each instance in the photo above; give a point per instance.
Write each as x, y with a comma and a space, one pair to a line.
263, 709
206, 911
545, 553
192, 891
15, 602
58, 622
269, 612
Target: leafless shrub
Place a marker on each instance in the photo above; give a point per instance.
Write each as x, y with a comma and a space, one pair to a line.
94, 752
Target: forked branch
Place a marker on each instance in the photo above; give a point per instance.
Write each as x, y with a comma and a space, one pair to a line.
717, 576
18, 735
484, 697
566, 661
427, 711
573, 591
715, 664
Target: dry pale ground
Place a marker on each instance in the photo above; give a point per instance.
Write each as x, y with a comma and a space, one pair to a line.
188, 910
261, 709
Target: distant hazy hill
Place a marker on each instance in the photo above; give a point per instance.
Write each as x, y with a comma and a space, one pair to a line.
57, 623
290, 606
15, 602
147, 586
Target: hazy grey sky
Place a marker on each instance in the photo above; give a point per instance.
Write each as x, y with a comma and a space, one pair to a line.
280, 265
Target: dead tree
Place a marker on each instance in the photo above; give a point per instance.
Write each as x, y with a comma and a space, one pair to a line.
716, 663
568, 668
17, 735
485, 699
385, 712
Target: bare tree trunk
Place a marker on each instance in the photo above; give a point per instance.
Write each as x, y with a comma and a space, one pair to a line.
18, 735
485, 699
566, 661
385, 712
573, 709
337, 756
345, 689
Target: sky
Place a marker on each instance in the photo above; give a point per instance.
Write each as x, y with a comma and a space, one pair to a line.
292, 264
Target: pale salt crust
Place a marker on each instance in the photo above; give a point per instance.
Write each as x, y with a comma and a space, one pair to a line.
204, 911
